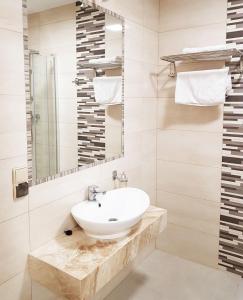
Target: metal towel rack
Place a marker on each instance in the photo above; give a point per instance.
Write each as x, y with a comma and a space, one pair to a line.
203, 56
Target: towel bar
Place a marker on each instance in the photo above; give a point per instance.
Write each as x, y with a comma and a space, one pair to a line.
203, 56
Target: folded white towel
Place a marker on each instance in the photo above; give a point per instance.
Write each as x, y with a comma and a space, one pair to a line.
115, 59
202, 88
209, 48
108, 90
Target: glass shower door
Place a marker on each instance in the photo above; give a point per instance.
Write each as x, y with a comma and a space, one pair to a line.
44, 116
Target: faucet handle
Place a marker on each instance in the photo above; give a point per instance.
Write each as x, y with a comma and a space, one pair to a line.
93, 190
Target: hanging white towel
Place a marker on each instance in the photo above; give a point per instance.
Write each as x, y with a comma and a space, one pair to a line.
209, 48
108, 90
111, 60
202, 88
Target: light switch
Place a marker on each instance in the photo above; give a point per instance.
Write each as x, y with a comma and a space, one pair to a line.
20, 182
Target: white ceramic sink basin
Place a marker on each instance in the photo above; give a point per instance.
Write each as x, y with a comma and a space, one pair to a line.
119, 210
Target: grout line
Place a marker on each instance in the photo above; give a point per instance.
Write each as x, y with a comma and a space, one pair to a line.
13, 218
192, 198
191, 163
189, 196
12, 277
192, 229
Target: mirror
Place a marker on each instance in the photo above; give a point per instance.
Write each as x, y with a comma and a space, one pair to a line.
75, 76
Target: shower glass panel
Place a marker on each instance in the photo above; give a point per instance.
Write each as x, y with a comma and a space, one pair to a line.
44, 115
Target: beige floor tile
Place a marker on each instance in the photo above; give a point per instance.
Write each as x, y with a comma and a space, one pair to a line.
165, 277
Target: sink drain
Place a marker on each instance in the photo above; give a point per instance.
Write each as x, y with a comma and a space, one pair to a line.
112, 219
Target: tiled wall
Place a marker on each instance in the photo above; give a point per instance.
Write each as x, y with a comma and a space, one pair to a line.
90, 23
29, 222
230, 248
189, 139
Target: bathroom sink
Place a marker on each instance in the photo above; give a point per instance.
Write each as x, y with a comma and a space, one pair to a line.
113, 214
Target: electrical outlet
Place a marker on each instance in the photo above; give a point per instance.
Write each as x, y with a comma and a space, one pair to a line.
20, 182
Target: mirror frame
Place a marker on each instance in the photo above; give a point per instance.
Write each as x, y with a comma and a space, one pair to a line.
29, 101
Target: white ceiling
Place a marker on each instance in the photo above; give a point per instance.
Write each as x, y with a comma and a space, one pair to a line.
40, 5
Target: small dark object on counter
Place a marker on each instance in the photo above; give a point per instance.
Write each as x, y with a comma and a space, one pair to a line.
68, 232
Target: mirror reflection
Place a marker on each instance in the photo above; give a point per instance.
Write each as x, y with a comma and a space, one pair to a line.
76, 85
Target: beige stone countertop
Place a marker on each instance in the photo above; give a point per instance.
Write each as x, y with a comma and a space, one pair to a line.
77, 267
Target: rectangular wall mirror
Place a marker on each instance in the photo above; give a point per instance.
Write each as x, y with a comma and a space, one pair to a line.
75, 86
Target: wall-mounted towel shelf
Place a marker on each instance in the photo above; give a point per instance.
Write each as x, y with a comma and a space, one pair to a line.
104, 66
202, 56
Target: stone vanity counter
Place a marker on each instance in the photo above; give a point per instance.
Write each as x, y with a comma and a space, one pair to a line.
77, 267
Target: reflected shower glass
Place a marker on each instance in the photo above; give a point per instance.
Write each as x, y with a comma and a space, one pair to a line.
44, 115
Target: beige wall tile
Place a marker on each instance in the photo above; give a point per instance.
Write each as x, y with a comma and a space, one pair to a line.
151, 14
150, 81
57, 14
16, 288
59, 30
14, 241
189, 212
10, 15
203, 148
9, 104
12, 63
139, 114
132, 10
183, 14
189, 180
133, 77
51, 220
172, 42
13, 144
182, 117
189, 244
134, 47
11, 52
50, 191
10, 207
150, 46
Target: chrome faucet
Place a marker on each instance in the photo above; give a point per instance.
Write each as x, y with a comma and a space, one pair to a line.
93, 191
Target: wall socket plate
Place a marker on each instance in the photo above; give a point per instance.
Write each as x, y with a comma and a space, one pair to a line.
20, 182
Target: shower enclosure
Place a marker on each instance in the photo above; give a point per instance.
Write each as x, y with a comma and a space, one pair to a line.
44, 115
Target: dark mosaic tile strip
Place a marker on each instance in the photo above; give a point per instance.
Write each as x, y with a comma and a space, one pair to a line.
231, 216
90, 39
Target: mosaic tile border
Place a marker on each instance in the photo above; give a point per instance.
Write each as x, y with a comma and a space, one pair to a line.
28, 102
231, 216
27, 89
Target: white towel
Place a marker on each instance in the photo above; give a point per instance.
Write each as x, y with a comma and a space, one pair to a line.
202, 88
108, 90
111, 60
209, 48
